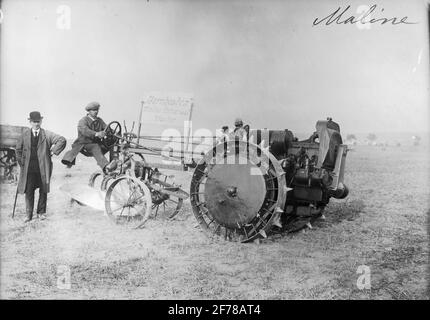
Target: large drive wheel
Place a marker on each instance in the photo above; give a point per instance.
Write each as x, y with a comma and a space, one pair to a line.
128, 201
236, 191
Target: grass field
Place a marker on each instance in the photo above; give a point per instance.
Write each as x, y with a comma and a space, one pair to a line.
382, 224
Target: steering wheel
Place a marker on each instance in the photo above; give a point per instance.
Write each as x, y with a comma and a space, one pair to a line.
113, 132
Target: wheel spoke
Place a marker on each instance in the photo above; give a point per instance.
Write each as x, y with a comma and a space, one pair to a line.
119, 208
136, 200
120, 197
131, 196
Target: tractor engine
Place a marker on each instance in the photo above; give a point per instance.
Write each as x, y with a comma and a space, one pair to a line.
313, 168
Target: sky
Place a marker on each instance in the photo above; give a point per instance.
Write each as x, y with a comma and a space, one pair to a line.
263, 61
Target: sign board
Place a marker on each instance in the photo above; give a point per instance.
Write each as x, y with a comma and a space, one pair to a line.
162, 111
166, 117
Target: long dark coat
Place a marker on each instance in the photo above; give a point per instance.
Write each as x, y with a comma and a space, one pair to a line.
87, 129
49, 142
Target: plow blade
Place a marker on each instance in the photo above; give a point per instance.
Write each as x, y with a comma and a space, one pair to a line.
86, 195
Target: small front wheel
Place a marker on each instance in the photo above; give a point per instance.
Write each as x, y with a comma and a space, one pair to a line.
128, 201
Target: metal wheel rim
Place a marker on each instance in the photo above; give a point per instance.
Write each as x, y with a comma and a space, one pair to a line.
262, 222
134, 219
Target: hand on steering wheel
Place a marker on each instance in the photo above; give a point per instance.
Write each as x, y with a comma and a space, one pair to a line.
111, 133
101, 134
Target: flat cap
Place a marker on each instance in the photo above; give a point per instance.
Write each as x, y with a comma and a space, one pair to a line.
92, 106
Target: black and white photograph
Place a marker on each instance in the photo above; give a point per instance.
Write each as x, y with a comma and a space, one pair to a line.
214, 150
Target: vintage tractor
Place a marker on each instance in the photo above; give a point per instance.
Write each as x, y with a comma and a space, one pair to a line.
243, 189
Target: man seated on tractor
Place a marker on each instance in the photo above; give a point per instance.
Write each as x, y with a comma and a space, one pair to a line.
91, 131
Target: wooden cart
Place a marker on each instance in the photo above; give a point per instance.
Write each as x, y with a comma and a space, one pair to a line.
9, 136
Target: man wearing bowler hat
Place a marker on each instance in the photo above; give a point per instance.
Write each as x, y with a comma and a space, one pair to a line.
34, 150
90, 132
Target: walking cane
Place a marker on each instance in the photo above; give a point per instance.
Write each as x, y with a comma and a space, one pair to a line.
14, 204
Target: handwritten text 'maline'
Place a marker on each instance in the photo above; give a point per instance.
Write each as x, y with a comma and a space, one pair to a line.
339, 18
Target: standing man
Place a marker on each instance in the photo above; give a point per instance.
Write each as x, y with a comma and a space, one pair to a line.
90, 132
239, 131
34, 150
224, 135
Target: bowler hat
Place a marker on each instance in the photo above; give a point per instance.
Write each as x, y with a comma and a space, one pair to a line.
92, 106
35, 116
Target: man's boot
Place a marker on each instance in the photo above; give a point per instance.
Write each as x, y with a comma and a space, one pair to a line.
29, 217
110, 167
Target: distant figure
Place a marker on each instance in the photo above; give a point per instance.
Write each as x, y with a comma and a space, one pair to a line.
239, 131
34, 150
89, 142
416, 140
224, 135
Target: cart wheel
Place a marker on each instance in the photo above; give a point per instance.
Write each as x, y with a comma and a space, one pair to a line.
128, 201
7, 163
